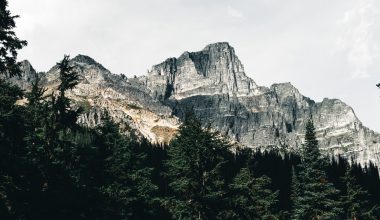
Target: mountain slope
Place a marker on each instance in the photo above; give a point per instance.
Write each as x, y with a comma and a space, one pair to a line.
213, 84
125, 100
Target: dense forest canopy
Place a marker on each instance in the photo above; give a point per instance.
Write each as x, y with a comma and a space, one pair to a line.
53, 168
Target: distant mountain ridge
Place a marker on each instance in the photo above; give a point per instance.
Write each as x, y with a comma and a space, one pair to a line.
212, 83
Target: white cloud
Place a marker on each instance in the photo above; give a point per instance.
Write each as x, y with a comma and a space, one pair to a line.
357, 38
232, 12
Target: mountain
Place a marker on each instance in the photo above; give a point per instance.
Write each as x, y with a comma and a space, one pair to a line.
212, 83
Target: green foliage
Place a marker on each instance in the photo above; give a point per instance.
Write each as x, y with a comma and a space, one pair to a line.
67, 75
9, 42
196, 159
252, 198
11, 123
61, 104
11, 145
355, 199
314, 197
129, 187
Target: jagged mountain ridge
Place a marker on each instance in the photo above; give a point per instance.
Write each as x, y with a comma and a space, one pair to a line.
212, 83
125, 100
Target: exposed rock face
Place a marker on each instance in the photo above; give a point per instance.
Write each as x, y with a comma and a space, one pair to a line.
28, 74
126, 101
212, 83
214, 70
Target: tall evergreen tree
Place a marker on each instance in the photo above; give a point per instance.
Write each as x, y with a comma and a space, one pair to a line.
10, 120
36, 114
355, 199
196, 160
53, 149
11, 123
129, 188
12, 148
317, 198
296, 189
251, 197
65, 115
10, 43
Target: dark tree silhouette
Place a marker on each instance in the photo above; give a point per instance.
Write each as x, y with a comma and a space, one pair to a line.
9, 42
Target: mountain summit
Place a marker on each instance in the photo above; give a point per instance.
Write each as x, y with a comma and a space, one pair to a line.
214, 70
213, 84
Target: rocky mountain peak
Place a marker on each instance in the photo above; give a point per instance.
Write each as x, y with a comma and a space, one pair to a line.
84, 59
27, 68
218, 45
220, 50
213, 83
220, 55
87, 60
214, 70
28, 74
25, 64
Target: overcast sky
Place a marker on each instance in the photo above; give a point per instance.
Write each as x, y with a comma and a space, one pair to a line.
326, 48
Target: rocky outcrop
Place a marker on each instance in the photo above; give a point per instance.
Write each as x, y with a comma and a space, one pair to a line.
28, 74
213, 84
214, 70
277, 118
127, 101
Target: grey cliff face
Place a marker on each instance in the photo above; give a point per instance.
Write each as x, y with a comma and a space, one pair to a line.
28, 74
213, 84
127, 101
214, 70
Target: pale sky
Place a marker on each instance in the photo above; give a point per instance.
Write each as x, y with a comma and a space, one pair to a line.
326, 48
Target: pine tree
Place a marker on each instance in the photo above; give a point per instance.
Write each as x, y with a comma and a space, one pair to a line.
66, 116
317, 198
36, 114
296, 189
355, 199
58, 118
11, 123
9, 94
251, 197
52, 147
129, 189
12, 149
196, 160
10, 44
